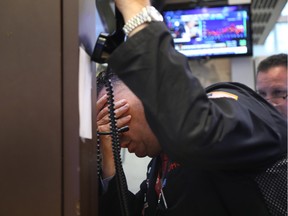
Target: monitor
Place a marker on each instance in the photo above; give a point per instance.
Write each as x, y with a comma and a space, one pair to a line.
210, 32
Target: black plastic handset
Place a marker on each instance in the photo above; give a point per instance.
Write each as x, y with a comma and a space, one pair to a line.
107, 43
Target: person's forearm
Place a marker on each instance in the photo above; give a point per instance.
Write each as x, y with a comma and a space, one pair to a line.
108, 168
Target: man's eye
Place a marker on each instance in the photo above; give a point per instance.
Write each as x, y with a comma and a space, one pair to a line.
279, 93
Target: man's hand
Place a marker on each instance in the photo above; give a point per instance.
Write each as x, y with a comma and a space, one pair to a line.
103, 125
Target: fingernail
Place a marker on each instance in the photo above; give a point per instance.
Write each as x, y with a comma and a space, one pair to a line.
128, 117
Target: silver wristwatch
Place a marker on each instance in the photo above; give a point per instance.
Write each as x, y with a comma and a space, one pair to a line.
146, 15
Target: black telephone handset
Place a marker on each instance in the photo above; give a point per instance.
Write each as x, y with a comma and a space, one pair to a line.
107, 43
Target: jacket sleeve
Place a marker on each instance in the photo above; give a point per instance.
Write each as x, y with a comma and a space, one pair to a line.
192, 129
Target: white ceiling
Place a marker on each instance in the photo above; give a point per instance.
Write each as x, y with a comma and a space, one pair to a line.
265, 14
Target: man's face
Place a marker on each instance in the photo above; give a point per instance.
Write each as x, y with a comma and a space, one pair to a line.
272, 85
139, 139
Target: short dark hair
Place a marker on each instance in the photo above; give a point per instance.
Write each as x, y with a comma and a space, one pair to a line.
101, 80
272, 61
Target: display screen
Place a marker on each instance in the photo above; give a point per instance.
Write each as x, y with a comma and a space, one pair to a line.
221, 31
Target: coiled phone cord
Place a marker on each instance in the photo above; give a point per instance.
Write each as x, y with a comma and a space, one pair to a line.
120, 175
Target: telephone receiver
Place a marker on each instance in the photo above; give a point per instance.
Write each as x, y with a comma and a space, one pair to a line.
107, 43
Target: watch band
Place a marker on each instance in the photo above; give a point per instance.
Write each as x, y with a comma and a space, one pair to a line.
146, 15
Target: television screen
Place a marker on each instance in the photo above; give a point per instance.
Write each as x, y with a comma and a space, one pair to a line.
209, 32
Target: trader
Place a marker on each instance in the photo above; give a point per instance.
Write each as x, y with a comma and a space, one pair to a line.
271, 81
216, 152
